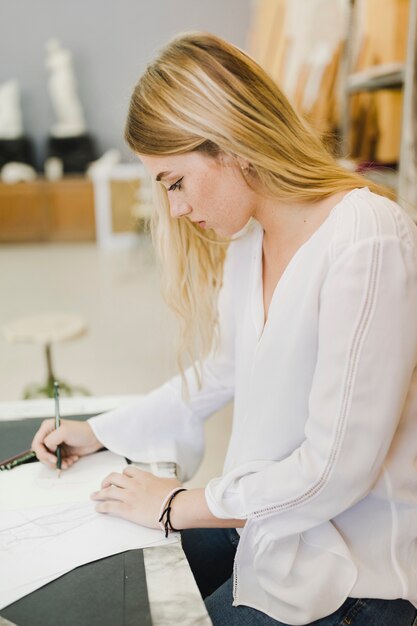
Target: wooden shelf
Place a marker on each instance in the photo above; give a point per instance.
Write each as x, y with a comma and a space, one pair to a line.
47, 211
390, 76
392, 73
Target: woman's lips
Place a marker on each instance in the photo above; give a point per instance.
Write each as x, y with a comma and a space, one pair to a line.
202, 224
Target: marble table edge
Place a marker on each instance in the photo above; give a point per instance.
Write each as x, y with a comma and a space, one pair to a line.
6, 622
168, 575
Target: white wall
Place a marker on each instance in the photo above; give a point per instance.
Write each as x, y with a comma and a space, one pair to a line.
111, 41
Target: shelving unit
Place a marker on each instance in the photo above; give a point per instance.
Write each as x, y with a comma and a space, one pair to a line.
74, 208
47, 211
390, 76
407, 185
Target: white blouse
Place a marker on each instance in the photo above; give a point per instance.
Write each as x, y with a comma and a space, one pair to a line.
322, 460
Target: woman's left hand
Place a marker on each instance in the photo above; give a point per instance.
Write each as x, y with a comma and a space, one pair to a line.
134, 495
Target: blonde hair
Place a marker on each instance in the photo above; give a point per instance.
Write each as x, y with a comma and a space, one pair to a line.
202, 93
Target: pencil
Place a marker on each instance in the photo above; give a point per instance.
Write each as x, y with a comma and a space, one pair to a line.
57, 425
18, 459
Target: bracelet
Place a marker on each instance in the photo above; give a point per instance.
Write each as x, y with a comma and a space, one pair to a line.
166, 510
163, 506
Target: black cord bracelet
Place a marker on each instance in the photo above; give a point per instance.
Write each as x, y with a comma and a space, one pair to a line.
167, 511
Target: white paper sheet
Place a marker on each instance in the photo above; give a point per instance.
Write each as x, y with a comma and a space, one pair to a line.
35, 484
41, 543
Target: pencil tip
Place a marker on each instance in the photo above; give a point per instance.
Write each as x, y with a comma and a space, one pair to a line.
59, 473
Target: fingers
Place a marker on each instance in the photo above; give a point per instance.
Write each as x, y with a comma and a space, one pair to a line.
115, 487
38, 444
45, 443
123, 480
55, 438
112, 492
48, 436
119, 480
67, 461
135, 472
134, 495
44, 429
113, 507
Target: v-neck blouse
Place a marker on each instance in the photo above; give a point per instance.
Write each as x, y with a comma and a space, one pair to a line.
257, 280
321, 460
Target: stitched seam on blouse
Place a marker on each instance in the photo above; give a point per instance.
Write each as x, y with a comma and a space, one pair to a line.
332, 246
339, 240
394, 534
356, 224
396, 218
356, 348
403, 229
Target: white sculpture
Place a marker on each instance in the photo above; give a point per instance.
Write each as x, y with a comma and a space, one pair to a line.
14, 172
62, 88
53, 168
11, 126
105, 163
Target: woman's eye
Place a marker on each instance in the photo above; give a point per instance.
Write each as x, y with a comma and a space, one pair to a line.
176, 185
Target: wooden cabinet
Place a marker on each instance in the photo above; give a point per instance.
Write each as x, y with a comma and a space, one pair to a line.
22, 212
47, 211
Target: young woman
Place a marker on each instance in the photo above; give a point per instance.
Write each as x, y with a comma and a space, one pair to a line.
296, 284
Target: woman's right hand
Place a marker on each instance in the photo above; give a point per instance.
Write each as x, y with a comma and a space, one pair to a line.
75, 438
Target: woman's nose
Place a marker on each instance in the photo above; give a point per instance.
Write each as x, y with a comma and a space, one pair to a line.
178, 209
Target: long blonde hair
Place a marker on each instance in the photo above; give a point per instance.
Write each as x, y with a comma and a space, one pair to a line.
202, 93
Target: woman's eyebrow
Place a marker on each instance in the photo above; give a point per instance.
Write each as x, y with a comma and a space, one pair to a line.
162, 175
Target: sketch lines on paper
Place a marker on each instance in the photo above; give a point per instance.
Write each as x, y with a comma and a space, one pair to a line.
39, 530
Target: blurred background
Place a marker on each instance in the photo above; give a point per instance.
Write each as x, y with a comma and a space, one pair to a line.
111, 43
79, 285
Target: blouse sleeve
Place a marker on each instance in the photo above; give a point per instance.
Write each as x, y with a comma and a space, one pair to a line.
367, 350
163, 425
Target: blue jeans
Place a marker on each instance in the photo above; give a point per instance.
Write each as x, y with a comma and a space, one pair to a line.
211, 552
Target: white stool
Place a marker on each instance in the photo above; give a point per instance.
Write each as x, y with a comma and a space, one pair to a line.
44, 330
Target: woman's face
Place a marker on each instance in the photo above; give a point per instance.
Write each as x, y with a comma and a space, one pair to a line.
211, 192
